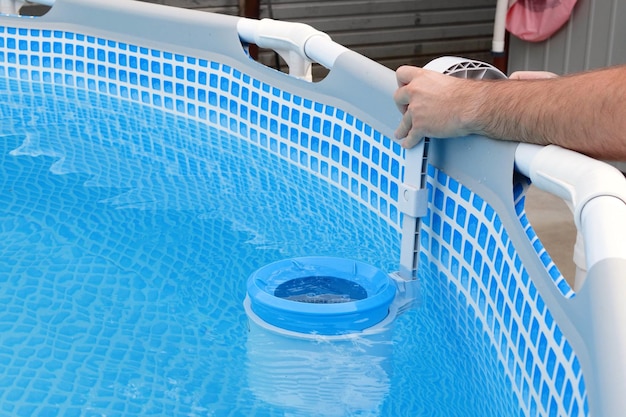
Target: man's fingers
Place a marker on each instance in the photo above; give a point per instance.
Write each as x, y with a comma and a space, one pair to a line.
400, 77
406, 73
408, 133
411, 140
405, 126
401, 98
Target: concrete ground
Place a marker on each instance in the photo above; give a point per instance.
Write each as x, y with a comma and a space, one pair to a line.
554, 224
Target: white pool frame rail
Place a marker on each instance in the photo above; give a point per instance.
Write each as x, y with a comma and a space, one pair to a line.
596, 193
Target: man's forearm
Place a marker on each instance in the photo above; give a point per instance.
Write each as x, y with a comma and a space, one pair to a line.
585, 112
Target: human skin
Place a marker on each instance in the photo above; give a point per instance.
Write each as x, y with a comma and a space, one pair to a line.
585, 112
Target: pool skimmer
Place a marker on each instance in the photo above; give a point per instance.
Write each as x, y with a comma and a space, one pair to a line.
320, 295
320, 331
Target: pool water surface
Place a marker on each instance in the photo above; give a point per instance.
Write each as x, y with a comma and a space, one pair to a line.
127, 235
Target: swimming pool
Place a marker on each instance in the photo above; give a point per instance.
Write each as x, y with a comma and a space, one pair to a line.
127, 269
146, 175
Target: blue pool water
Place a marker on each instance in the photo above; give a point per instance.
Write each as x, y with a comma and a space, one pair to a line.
127, 235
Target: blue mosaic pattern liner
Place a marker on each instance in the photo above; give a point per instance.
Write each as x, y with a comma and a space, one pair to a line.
317, 137
464, 237
119, 295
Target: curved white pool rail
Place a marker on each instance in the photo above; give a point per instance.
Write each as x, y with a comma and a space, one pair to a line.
300, 45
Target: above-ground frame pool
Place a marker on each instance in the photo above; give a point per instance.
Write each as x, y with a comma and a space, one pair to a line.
151, 172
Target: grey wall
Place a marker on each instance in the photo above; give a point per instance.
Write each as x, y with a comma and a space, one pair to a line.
392, 32
216, 6
398, 32
595, 36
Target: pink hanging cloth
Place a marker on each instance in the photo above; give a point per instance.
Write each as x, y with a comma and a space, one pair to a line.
537, 20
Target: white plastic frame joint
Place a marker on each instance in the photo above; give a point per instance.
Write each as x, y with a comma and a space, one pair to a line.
596, 193
289, 39
297, 43
413, 201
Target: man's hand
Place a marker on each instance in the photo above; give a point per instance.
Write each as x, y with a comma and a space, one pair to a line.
584, 112
429, 102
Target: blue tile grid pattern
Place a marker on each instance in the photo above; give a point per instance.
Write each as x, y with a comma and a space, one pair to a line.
462, 234
464, 237
317, 137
